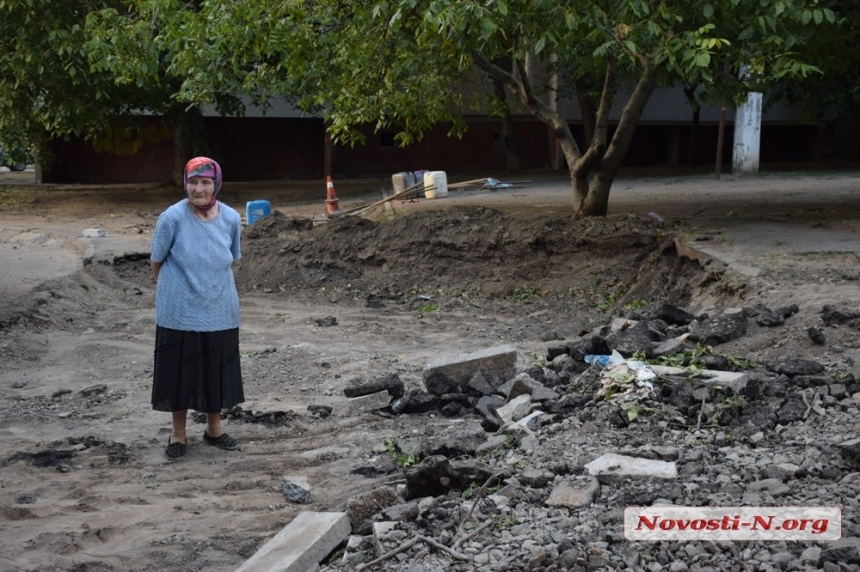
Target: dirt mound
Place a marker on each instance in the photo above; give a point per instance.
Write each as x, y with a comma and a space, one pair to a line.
472, 250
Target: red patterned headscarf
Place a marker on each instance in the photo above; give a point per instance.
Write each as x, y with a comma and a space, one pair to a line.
203, 167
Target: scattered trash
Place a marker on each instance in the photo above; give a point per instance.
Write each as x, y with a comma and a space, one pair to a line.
623, 380
487, 183
602, 361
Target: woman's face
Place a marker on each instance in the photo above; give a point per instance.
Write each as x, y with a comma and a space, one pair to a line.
200, 190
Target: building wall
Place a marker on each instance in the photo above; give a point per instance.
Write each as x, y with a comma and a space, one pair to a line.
283, 148
480, 149
267, 148
77, 161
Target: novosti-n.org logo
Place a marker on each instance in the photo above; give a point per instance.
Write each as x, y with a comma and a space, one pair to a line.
733, 523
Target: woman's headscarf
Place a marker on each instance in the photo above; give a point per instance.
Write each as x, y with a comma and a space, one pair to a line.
203, 167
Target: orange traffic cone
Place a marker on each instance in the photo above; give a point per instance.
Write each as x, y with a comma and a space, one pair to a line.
331, 202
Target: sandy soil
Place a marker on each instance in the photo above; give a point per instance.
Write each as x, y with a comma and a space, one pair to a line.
84, 484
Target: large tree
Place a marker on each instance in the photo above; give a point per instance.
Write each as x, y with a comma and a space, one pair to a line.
835, 94
143, 45
407, 63
46, 87
97, 68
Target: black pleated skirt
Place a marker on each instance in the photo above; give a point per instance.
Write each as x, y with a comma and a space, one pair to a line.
196, 370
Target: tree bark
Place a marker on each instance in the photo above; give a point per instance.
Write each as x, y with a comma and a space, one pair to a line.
692, 156
586, 108
591, 174
512, 159
189, 139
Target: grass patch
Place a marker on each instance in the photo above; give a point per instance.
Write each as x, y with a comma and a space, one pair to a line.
17, 199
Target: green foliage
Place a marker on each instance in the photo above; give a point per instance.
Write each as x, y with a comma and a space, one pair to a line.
636, 304
689, 358
525, 293
727, 409
740, 363
69, 68
504, 522
402, 460
601, 295
428, 307
473, 488
840, 375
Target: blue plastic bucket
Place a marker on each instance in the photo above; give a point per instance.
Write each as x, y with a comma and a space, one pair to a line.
255, 210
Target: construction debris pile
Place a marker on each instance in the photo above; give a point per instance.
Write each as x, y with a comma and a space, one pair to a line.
536, 473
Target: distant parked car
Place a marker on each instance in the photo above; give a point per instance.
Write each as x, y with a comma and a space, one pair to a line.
16, 161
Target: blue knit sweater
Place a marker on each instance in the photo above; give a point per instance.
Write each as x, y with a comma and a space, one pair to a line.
195, 289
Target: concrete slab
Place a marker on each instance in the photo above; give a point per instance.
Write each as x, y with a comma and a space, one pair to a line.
380, 529
499, 360
300, 545
515, 409
574, 495
296, 488
367, 403
735, 380
613, 464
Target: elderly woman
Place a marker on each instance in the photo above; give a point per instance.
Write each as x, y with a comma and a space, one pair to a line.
197, 308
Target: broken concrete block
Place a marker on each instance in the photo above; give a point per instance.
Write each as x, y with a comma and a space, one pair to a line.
515, 409
528, 443
456, 441
532, 477
525, 384
573, 495
613, 464
491, 444
773, 487
672, 346
499, 360
367, 403
296, 489
714, 331
436, 475
529, 422
500, 501
390, 383
666, 453
300, 545
675, 315
440, 383
488, 406
381, 530
795, 366
402, 512
478, 385
93, 233
361, 507
352, 552
737, 381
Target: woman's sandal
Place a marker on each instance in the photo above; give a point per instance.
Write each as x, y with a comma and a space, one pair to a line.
224, 441
175, 450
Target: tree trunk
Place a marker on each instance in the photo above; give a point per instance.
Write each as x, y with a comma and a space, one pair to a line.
512, 159
586, 109
591, 174
189, 139
692, 156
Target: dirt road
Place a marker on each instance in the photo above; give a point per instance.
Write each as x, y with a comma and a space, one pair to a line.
84, 483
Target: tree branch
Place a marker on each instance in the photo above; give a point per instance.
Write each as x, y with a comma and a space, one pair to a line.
630, 116
597, 146
522, 91
478, 499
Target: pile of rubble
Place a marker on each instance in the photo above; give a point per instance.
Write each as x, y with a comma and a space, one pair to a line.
537, 464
